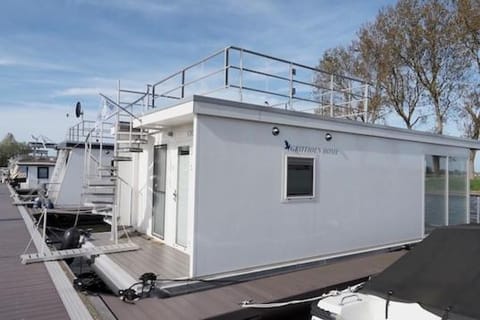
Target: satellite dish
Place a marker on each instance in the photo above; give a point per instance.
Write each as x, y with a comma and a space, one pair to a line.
78, 110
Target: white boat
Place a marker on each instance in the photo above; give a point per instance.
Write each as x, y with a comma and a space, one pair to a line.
438, 279
349, 305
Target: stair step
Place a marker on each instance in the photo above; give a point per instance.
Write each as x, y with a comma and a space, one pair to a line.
108, 177
122, 158
93, 193
101, 202
107, 168
125, 125
129, 149
101, 184
135, 141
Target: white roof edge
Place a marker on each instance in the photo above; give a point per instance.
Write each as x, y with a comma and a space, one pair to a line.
184, 107
245, 111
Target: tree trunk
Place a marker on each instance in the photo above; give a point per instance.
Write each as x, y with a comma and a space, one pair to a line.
471, 164
438, 124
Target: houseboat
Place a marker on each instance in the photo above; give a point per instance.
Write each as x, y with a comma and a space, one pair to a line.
245, 169
31, 172
81, 160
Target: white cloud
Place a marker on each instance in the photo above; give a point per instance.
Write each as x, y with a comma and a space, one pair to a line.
82, 92
143, 6
29, 63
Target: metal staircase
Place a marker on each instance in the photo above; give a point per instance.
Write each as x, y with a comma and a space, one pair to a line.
103, 183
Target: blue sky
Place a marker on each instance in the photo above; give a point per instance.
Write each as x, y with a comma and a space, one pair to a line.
55, 53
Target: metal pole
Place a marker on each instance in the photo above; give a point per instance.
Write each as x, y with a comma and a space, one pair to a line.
101, 148
183, 84
226, 67
240, 87
114, 234
447, 187
365, 102
331, 95
44, 230
290, 95
153, 97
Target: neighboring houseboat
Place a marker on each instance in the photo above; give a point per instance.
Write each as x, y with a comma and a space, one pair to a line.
33, 171
243, 182
30, 172
79, 164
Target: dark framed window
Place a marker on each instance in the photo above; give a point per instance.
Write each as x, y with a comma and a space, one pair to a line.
42, 172
300, 177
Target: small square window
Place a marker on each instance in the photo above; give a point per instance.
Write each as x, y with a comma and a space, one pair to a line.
42, 173
300, 177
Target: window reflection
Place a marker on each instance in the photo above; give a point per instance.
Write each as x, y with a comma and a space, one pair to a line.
435, 192
457, 190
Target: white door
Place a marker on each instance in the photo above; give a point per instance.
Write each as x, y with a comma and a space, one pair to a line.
182, 195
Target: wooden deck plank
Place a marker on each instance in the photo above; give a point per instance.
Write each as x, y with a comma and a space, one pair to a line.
225, 301
153, 256
31, 293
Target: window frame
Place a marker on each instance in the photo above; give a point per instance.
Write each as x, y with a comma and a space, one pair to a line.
48, 172
286, 197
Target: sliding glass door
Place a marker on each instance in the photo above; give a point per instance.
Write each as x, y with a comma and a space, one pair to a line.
435, 192
457, 190
446, 192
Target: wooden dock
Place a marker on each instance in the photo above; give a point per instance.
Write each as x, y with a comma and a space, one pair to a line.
27, 291
225, 302
30, 293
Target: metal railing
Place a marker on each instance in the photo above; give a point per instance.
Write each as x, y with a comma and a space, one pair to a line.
243, 75
90, 130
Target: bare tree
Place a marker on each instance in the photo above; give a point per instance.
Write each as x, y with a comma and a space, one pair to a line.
471, 122
350, 80
396, 83
468, 21
429, 46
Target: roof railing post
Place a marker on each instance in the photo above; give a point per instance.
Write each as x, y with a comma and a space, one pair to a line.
183, 84
153, 97
145, 105
226, 57
350, 107
331, 95
240, 86
292, 89
365, 102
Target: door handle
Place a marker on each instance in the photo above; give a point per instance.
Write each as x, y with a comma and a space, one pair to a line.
174, 195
